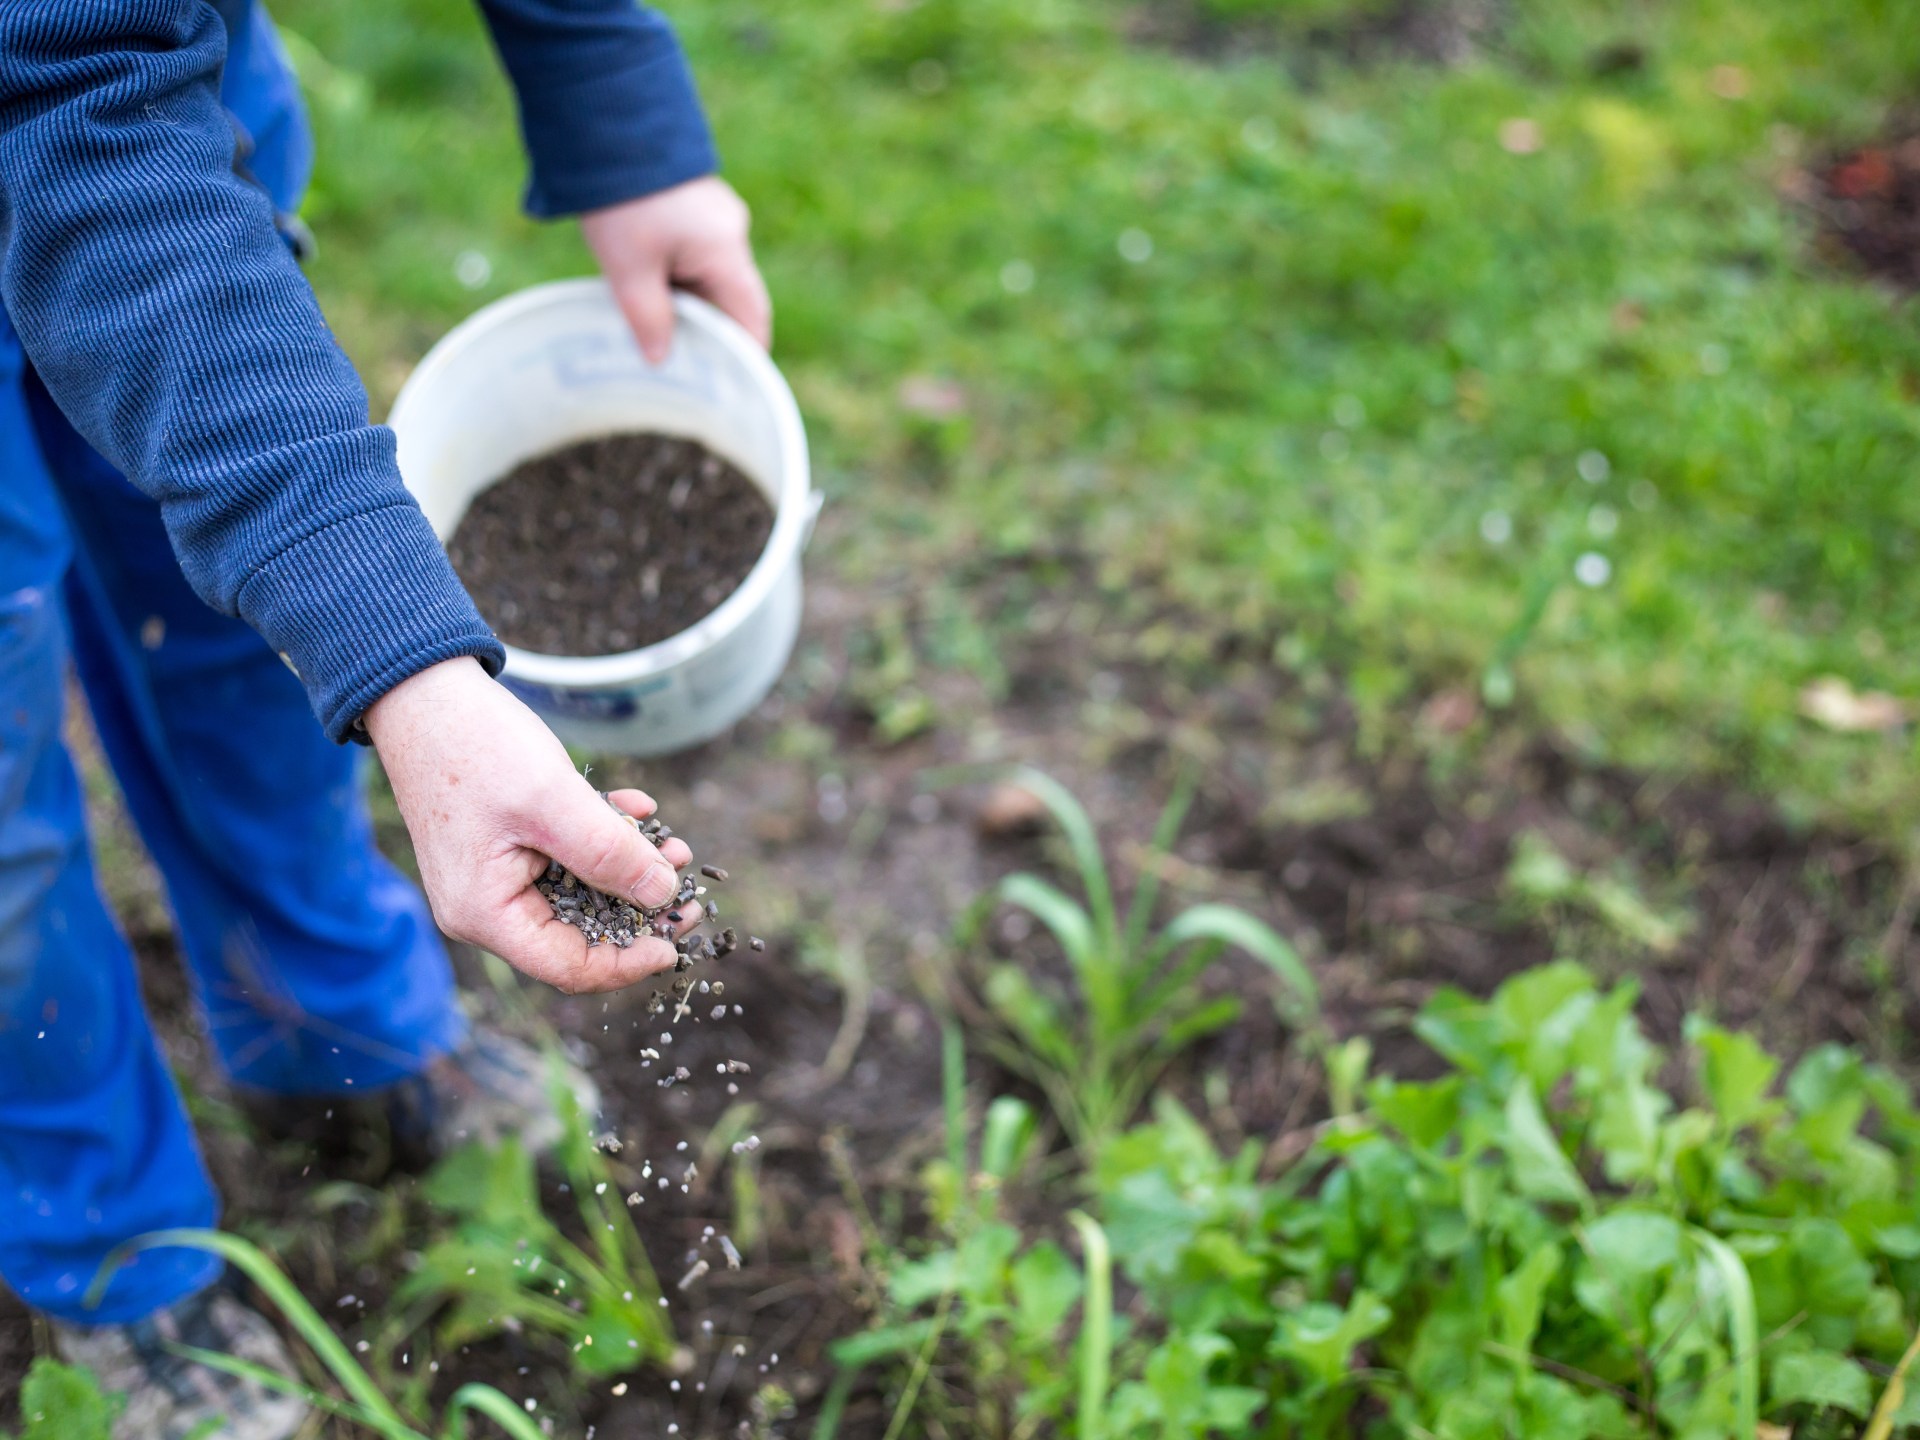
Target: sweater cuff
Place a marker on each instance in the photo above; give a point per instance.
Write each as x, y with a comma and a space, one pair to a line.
361, 605
599, 140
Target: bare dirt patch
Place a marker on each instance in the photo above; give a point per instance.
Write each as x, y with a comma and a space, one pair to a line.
1868, 199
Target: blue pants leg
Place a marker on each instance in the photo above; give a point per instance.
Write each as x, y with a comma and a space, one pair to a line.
94, 1144
318, 965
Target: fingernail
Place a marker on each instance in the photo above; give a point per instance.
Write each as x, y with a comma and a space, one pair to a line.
656, 886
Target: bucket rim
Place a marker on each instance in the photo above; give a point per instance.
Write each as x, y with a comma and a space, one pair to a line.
794, 506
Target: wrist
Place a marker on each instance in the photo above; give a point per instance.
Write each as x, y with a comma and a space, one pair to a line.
423, 692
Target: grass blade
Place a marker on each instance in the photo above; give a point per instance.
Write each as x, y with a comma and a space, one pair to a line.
1081, 841
287, 1385
1744, 1326
1301, 1005
1096, 1327
1147, 893
487, 1401
1093, 957
1880, 1426
1151, 997
827, 1423
953, 1093
252, 1262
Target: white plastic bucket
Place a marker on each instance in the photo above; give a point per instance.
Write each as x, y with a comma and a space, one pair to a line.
556, 364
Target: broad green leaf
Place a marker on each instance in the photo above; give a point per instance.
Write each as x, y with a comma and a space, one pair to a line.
1046, 1285
1461, 1029
1835, 1279
1425, 1112
1523, 1294
1820, 1377
618, 1335
64, 1402
1734, 1071
1541, 1170
1626, 1129
1321, 1337
918, 1281
1629, 1255
1825, 1074
1528, 1000
1882, 1328
1900, 1241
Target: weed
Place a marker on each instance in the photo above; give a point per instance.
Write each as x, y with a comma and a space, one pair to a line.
63, 1402
1135, 1002
505, 1262
366, 1404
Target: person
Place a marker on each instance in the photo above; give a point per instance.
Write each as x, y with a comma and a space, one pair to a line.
198, 519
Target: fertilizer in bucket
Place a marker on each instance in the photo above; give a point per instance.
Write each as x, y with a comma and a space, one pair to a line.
607, 545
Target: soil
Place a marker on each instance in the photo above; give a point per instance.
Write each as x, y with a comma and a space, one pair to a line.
854, 851
609, 545
1869, 199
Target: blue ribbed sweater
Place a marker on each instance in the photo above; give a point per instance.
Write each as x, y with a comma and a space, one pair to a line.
173, 327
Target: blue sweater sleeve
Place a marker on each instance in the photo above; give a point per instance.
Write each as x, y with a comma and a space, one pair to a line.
173, 328
607, 104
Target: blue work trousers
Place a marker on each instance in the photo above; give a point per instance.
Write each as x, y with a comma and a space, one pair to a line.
316, 963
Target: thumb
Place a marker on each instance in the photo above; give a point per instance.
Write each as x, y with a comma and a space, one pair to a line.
601, 846
647, 301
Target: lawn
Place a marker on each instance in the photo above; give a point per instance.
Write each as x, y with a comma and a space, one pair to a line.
1401, 465
1300, 341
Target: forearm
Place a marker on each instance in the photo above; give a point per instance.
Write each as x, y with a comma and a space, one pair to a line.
173, 328
607, 105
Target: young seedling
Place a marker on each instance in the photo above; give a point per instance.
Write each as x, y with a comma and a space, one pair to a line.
1135, 1002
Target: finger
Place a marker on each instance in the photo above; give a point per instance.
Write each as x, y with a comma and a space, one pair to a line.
692, 916
647, 302
583, 834
636, 803
640, 805
734, 285
527, 937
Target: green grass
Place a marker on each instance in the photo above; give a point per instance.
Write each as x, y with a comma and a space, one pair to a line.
1364, 328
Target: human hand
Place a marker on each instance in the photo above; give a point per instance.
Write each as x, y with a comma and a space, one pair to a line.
489, 796
693, 235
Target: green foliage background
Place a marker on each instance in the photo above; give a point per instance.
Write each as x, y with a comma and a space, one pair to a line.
1363, 328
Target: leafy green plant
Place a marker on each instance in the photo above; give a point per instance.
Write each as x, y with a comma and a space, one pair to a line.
1133, 1001
63, 1402
366, 1404
504, 1261
999, 1302
1545, 1241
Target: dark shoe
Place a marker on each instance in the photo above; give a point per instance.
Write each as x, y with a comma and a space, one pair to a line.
491, 1087
487, 1088
169, 1397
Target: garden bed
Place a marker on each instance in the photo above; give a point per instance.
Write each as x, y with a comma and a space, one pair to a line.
1392, 868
